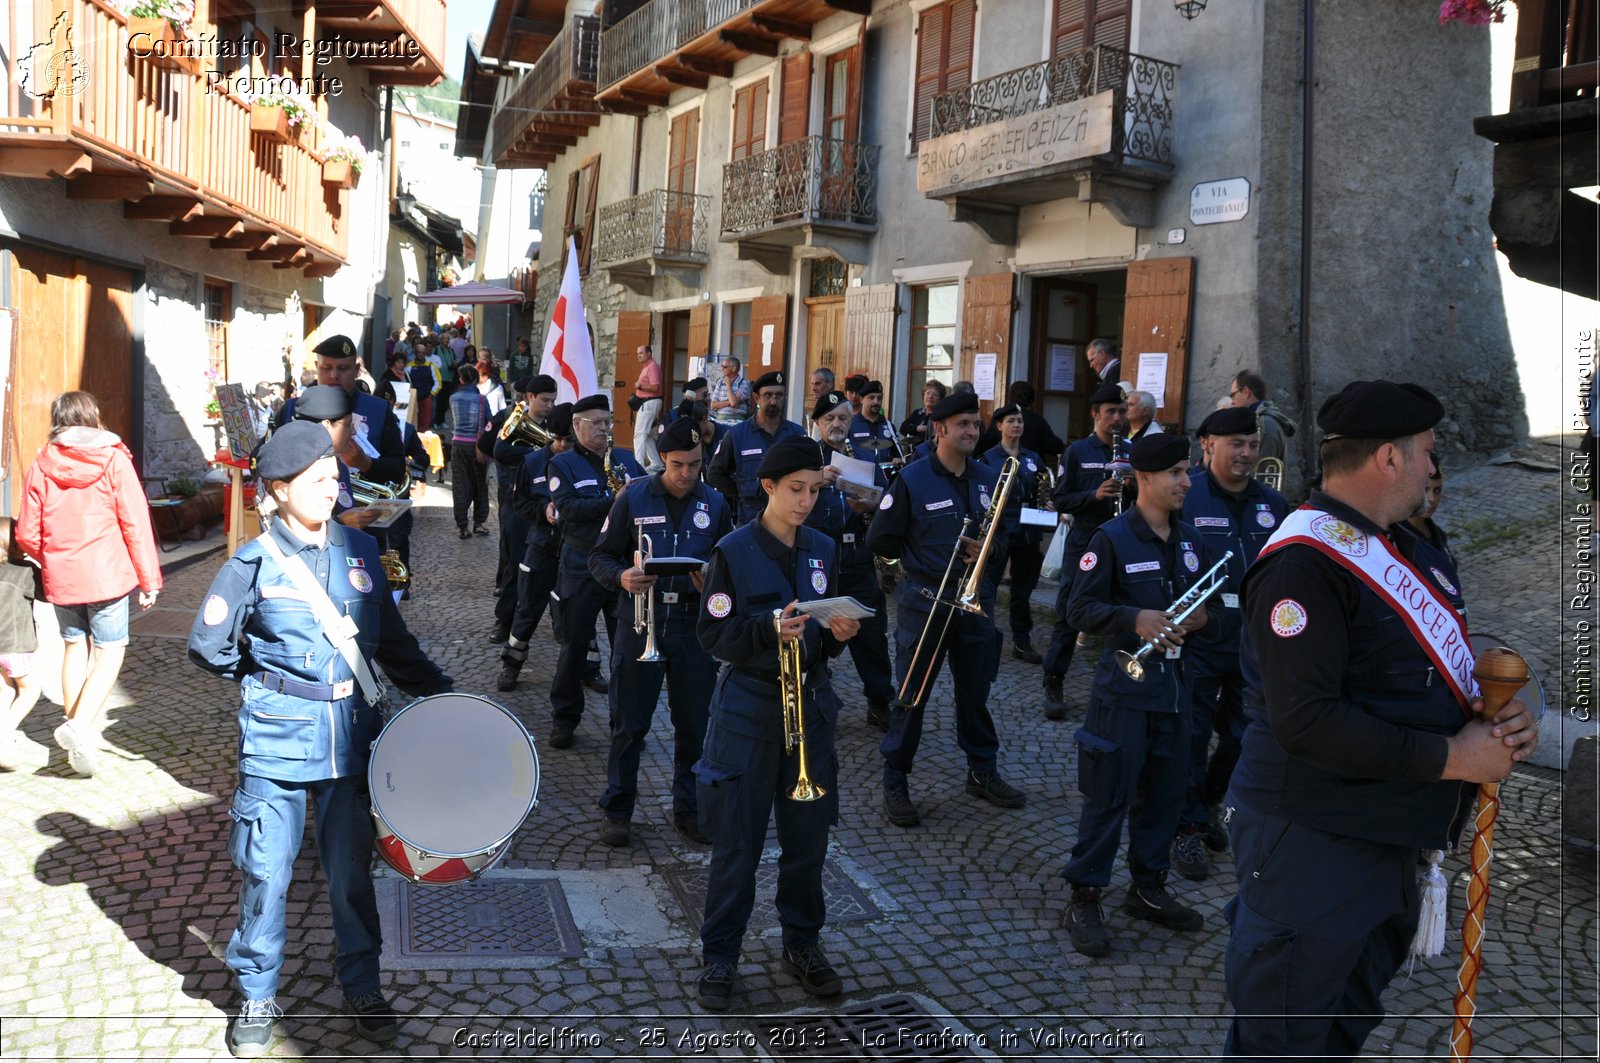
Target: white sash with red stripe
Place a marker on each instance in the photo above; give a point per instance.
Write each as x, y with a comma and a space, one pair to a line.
1433, 622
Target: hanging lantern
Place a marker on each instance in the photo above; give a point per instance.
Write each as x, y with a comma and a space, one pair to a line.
1189, 8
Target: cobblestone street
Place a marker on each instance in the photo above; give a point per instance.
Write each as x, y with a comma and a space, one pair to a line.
122, 896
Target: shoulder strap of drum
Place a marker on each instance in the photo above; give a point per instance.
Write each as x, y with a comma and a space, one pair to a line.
340, 630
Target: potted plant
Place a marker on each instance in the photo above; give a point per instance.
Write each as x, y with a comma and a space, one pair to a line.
213, 410
158, 30
182, 486
279, 117
341, 166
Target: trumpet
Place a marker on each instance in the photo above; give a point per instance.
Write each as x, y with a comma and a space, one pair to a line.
521, 427
1270, 472
791, 684
644, 604
1208, 584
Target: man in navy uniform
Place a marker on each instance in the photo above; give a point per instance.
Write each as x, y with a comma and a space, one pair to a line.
309, 713
375, 450
760, 578
733, 466
537, 397
540, 563
682, 517
1023, 551
581, 494
1088, 492
1232, 511
932, 506
1363, 746
1133, 747
870, 423
844, 518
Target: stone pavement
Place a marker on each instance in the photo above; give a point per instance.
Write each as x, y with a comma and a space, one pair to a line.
120, 897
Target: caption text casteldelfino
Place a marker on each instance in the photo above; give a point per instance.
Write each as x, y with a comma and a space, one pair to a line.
283, 47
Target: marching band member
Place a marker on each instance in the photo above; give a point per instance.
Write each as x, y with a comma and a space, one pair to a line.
580, 491
540, 564
920, 521
915, 428
1023, 551
536, 397
331, 408
297, 617
1232, 511
870, 423
683, 517
733, 467
1364, 742
1089, 494
844, 520
1431, 553
760, 577
1133, 746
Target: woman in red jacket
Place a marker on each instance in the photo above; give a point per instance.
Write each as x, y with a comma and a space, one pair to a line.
85, 520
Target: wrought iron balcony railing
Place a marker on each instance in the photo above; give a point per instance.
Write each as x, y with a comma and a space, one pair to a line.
1142, 114
571, 60
658, 29
658, 224
811, 180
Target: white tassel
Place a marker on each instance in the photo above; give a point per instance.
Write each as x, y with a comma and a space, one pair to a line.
1435, 909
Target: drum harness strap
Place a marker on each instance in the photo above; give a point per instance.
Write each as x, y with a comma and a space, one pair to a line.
340, 630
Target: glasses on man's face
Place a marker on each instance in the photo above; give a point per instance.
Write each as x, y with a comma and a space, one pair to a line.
602, 423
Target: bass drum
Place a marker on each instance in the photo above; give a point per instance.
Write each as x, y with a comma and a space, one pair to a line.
452, 778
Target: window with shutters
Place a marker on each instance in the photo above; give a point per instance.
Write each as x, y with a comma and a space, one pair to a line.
218, 313
739, 317
582, 192
683, 146
750, 119
1079, 25
944, 59
933, 336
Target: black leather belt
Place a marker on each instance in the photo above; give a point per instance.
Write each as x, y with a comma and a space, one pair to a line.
295, 688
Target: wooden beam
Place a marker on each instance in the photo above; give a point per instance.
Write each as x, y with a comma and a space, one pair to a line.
163, 208
249, 240
300, 260
44, 162
535, 27
679, 76
212, 228
649, 99
854, 7
275, 253
107, 186
749, 43
551, 140
322, 269
781, 27
349, 12
705, 64
621, 106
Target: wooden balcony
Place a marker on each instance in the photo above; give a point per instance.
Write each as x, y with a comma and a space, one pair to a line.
380, 20
553, 104
654, 233
176, 154
815, 197
671, 44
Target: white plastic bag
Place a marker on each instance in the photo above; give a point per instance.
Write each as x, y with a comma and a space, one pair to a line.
1052, 556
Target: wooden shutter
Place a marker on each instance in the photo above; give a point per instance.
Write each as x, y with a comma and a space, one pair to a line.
768, 310
588, 214
683, 147
869, 313
633, 330
986, 329
944, 58
1156, 320
1081, 24
571, 220
1109, 24
794, 99
750, 120
700, 335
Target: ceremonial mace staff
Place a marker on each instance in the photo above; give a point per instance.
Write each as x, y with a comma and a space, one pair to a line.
1500, 673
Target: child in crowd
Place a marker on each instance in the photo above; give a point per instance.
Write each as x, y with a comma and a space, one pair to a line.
19, 588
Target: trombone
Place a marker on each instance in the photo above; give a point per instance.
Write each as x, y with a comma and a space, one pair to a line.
1270, 472
644, 604
791, 685
1210, 583
970, 590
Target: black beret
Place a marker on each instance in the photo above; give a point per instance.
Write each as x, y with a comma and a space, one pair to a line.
855, 382
686, 407
540, 385
521, 385
1009, 410
696, 384
1159, 452
1233, 421
827, 402
560, 423
323, 403
1106, 393
293, 449
335, 347
954, 403
872, 387
1379, 409
592, 402
790, 454
682, 434
773, 379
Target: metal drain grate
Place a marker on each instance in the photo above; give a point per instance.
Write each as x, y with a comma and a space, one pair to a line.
845, 901
896, 1027
490, 917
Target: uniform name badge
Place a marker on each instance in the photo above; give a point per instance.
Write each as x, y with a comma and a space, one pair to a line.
1230, 601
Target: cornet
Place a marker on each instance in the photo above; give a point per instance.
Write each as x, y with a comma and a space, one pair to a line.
791, 685
1204, 587
644, 604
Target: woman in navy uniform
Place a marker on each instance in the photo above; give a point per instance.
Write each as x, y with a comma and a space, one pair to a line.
773, 565
306, 722
1023, 552
1133, 748
683, 518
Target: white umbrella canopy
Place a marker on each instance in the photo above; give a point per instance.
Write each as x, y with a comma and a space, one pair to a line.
477, 293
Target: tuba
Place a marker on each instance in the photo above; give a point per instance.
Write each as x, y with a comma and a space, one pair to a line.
520, 427
791, 684
644, 605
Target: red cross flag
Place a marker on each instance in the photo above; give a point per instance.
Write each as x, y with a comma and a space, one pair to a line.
568, 353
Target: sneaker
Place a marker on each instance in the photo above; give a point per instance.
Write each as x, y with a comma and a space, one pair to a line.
995, 790
878, 715
715, 987
507, 679
897, 806
479, 529
1084, 640
615, 833
1152, 902
1055, 702
816, 974
251, 1030
1189, 854
374, 1017
1023, 652
498, 634
688, 825
597, 683
561, 736
1215, 831
79, 747
1086, 924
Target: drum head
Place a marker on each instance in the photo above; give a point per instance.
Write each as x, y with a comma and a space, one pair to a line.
453, 774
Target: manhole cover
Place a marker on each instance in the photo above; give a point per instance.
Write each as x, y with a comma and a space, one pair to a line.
845, 901
897, 1027
490, 917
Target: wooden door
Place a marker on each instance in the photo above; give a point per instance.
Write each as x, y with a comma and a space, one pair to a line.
1064, 321
673, 350
700, 341
986, 329
768, 311
633, 330
1156, 321
824, 336
869, 313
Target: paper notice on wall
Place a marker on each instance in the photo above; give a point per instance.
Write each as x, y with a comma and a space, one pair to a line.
1063, 367
983, 370
768, 334
1153, 375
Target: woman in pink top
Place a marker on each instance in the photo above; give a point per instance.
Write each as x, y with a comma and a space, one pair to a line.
85, 519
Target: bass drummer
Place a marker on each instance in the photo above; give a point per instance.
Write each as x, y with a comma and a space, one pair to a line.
297, 618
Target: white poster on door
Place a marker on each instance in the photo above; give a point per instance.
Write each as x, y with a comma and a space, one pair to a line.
1153, 375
